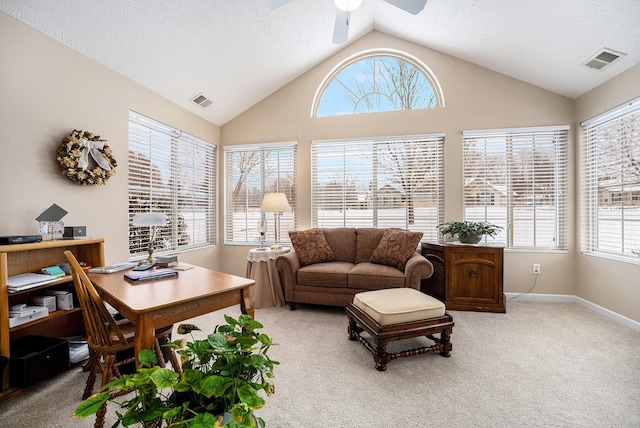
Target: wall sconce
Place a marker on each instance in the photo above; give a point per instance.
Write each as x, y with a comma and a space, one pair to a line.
275, 203
152, 220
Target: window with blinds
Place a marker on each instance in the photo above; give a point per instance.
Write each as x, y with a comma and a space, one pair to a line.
610, 183
517, 179
170, 172
250, 172
391, 182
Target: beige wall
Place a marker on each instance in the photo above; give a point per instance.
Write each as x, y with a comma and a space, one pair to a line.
611, 284
475, 98
46, 91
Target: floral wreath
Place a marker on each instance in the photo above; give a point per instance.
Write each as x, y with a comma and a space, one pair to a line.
73, 157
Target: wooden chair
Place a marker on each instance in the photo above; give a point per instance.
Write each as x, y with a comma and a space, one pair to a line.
107, 339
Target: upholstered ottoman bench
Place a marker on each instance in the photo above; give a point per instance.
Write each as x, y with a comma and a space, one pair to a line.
395, 314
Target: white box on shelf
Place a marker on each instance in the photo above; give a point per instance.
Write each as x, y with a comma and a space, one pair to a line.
37, 312
64, 299
48, 302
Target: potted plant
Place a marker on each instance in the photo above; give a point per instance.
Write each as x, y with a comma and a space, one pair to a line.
469, 232
222, 377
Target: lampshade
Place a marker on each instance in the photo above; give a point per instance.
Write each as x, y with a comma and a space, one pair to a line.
275, 203
149, 219
347, 5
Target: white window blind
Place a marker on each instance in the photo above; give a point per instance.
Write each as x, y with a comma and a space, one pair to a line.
610, 183
173, 173
250, 172
517, 179
391, 182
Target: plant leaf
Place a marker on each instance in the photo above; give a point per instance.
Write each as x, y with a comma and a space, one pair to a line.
213, 386
147, 358
164, 378
91, 405
203, 420
187, 328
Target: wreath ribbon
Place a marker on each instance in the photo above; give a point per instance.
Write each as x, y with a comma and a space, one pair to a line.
92, 147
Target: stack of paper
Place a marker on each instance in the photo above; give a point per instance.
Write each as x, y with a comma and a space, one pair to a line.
28, 280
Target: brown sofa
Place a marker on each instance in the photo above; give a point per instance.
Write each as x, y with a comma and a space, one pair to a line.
329, 266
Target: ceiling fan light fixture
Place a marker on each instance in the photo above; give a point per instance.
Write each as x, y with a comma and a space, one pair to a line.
347, 5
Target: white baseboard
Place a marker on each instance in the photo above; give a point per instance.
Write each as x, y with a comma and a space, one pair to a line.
567, 298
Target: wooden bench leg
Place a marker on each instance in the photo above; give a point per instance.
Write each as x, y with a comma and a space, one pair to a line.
381, 358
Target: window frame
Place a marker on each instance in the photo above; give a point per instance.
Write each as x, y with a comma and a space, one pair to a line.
358, 145
517, 138
369, 54
288, 220
620, 124
162, 160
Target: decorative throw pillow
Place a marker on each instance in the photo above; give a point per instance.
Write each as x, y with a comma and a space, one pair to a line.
311, 247
395, 248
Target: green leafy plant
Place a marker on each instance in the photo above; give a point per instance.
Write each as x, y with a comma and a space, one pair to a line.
222, 374
469, 231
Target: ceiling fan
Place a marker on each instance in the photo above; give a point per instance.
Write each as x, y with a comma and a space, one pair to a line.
345, 7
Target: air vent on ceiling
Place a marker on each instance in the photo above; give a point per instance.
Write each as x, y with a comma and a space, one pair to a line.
201, 100
603, 58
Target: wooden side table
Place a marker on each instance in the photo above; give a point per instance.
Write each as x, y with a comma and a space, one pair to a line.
473, 276
261, 267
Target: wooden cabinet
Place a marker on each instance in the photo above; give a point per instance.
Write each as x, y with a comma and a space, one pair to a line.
472, 279
24, 258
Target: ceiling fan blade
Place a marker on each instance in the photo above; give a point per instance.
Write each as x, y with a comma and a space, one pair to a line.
414, 7
274, 4
341, 29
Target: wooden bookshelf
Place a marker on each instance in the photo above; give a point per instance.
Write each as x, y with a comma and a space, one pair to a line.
25, 258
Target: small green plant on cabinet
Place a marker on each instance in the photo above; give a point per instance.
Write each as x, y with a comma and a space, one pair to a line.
469, 231
222, 374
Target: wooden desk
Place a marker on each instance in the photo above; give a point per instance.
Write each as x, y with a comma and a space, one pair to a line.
154, 304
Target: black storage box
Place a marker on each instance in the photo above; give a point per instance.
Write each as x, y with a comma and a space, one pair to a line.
75, 232
34, 358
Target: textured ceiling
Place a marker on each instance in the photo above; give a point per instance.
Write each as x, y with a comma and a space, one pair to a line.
236, 52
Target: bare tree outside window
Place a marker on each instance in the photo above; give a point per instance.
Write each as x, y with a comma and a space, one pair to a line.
252, 171
378, 83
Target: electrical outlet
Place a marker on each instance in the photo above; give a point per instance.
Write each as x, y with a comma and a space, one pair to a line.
536, 269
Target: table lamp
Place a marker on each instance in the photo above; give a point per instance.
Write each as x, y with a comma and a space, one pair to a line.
152, 220
275, 203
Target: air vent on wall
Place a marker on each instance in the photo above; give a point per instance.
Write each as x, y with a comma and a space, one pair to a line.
201, 100
603, 58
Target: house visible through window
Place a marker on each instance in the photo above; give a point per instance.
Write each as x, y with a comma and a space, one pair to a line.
517, 179
383, 182
377, 82
170, 172
610, 183
251, 171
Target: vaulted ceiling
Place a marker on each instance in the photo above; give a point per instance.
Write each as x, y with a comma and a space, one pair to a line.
237, 52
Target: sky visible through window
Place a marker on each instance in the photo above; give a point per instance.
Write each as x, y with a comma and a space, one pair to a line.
377, 84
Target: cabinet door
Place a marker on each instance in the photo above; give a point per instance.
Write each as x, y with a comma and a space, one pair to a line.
474, 279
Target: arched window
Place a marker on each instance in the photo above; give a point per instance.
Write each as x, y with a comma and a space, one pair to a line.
375, 82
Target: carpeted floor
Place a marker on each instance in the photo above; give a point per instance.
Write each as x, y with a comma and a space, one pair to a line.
538, 365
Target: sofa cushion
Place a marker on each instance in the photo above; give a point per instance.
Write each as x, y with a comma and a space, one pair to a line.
311, 246
330, 274
370, 276
395, 248
342, 241
367, 240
